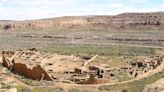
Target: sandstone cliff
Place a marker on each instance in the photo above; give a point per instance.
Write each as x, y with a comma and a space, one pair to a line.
122, 21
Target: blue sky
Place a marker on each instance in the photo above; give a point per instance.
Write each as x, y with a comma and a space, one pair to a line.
36, 9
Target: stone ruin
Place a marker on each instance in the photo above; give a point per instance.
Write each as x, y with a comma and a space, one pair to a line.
69, 68
139, 67
42, 66
17, 62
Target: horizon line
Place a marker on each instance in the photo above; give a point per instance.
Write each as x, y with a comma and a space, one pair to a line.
46, 18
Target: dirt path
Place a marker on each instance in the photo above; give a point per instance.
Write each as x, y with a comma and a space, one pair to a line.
116, 44
89, 61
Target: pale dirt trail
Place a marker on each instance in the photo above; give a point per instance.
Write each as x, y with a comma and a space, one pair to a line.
116, 44
84, 41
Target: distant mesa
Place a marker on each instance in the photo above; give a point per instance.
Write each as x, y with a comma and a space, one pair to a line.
153, 20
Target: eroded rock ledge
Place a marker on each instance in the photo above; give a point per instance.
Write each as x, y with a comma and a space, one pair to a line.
143, 21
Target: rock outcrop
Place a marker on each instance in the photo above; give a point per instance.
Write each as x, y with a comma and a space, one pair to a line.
156, 87
122, 21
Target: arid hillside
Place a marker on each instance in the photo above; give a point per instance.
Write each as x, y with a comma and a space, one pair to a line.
139, 21
156, 87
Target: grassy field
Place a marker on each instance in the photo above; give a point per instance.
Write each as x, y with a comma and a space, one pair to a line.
81, 41
104, 50
135, 86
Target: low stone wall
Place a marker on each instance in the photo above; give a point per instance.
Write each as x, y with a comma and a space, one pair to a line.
33, 72
36, 73
6, 62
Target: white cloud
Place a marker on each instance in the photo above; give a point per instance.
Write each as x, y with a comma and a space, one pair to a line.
35, 9
162, 5
3, 0
42, 2
115, 5
138, 1
32, 9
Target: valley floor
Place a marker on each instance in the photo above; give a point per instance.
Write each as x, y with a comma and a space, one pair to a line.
110, 45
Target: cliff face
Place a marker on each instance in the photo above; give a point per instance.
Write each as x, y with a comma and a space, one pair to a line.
139, 20
59, 23
121, 21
